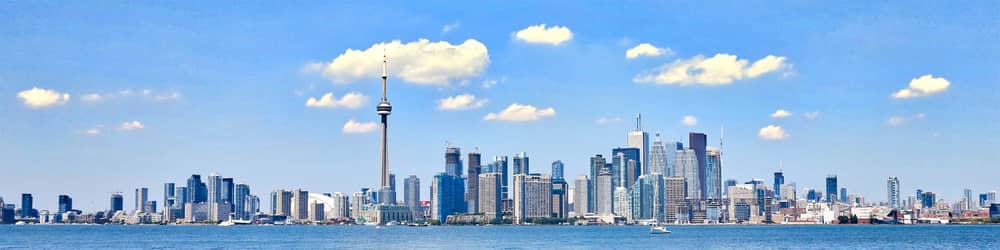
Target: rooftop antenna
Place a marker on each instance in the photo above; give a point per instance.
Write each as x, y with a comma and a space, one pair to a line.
781, 166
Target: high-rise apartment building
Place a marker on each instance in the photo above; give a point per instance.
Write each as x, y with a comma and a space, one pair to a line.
300, 204
675, 192
453, 161
532, 197
490, 199
581, 195
447, 196
557, 170
713, 176
472, 181
141, 197
640, 140
699, 143
686, 165
604, 192
241, 202
117, 203
28, 206
597, 164
657, 157
411, 195
560, 199
831, 188
168, 196
779, 179
520, 163
65, 203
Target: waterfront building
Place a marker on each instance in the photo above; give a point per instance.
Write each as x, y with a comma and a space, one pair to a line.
341, 207
281, 203
500, 166
227, 195
597, 164
117, 202
65, 203
686, 165
620, 204
197, 191
214, 198
995, 211
831, 188
168, 196
447, 196
28, 206
675, 192
560, 199
787, 192
300, 203
472, 181
843, 194
242, 202
929, 199
141, 197
411, 195
532, 197
490, 199
603, 193
581, 195
316, 211
359, 200
639, 140
646, 197
892, 190
969, 205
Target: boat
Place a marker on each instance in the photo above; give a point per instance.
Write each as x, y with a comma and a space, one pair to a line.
227, 223
658, 229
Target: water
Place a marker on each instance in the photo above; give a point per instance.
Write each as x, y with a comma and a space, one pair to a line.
501, 237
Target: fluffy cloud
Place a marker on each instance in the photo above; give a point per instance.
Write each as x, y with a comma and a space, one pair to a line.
554, 35
41, 98
519, 113
923, 86
608, 120
772, 132
689, 120
812, 115
720, 69
781, 113
355, 127
646, 49
461, 102
351, 100
900, 120
420, 62
132, 125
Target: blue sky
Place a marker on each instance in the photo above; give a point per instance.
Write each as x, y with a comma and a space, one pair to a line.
186, 88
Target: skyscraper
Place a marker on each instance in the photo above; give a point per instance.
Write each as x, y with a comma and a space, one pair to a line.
520, 163
624, 175
27, 206
180, 196
686, 165
969, 202
699, 143
657, 157
168, 196
490, 200
453, 161
603, 193
713, 177
141, 197
640, 140
557, 170
929, 200
386, 194
241, 202
447, 196
472, 181
597, 163
532, 197
214, 196
581, 195
281, 202
831, 188
500, 166
560, 199
843, 194
196, 189
779, 179
675, 191
411, 195
228, 192
117, 203
65, 203
300, 204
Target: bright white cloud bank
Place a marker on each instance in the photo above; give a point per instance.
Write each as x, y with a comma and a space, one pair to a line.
351, 100
720, 69
41, 98
420, 62
355, 127
923, 86
772, 132
646, 49
554, 35
461, 102
519, 113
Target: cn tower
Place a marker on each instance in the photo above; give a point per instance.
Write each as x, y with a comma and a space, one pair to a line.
386, 193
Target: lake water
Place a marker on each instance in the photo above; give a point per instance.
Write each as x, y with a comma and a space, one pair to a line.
501, 237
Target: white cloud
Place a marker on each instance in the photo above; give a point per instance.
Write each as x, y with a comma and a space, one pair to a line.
608, 120
132, 125
781, 113
772, 132
40, 98
93, 97
689, 120
720, 69
166, 97
923, 86
646, 49
900, 120
145, 93
518, 113
461, 102
812, 115
554, 35
355, 127
420, 62
450, 27
351, 100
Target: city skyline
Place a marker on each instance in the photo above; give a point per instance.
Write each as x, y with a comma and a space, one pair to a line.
846, 100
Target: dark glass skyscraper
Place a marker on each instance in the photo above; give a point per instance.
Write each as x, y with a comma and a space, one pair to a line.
448, 196
698, 142
831, 188
65, 203
411, 195
197, 190
117, 202
27, 206
620, 158
500, 166
597, 163
168, 196
453, 161
779, 179
557, 170
472, 181
227, 194
520, 163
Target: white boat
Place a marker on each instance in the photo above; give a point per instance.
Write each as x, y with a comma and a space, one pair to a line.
658, 229
227, 223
